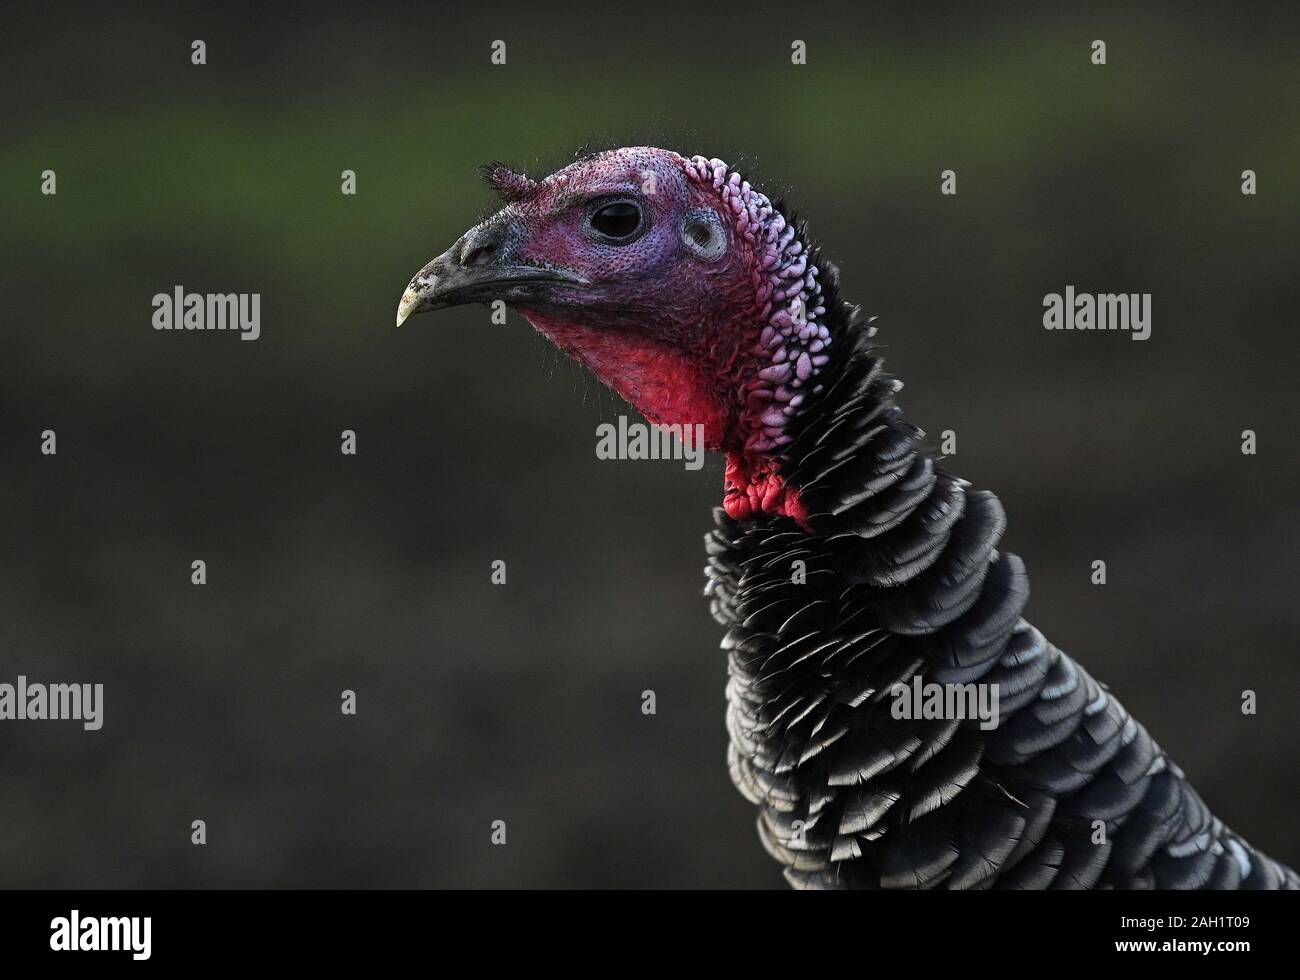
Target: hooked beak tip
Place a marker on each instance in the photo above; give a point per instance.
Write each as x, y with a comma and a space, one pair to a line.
410, 304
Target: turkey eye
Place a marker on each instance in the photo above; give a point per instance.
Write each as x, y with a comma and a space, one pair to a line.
618, 220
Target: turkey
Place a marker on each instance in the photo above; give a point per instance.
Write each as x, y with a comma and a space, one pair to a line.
865, 599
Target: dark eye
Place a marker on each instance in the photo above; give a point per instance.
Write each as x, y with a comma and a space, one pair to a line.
617, 221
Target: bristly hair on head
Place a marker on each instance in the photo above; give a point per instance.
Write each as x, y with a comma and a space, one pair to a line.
510, 186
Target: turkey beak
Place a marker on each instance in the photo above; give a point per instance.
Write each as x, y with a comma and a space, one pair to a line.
475, 270
431, 289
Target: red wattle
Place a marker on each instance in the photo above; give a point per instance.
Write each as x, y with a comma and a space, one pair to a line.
754, 487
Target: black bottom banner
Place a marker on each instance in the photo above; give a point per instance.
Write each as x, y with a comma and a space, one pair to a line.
98, 930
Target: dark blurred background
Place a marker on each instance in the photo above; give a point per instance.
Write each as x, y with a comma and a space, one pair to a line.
476, 442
